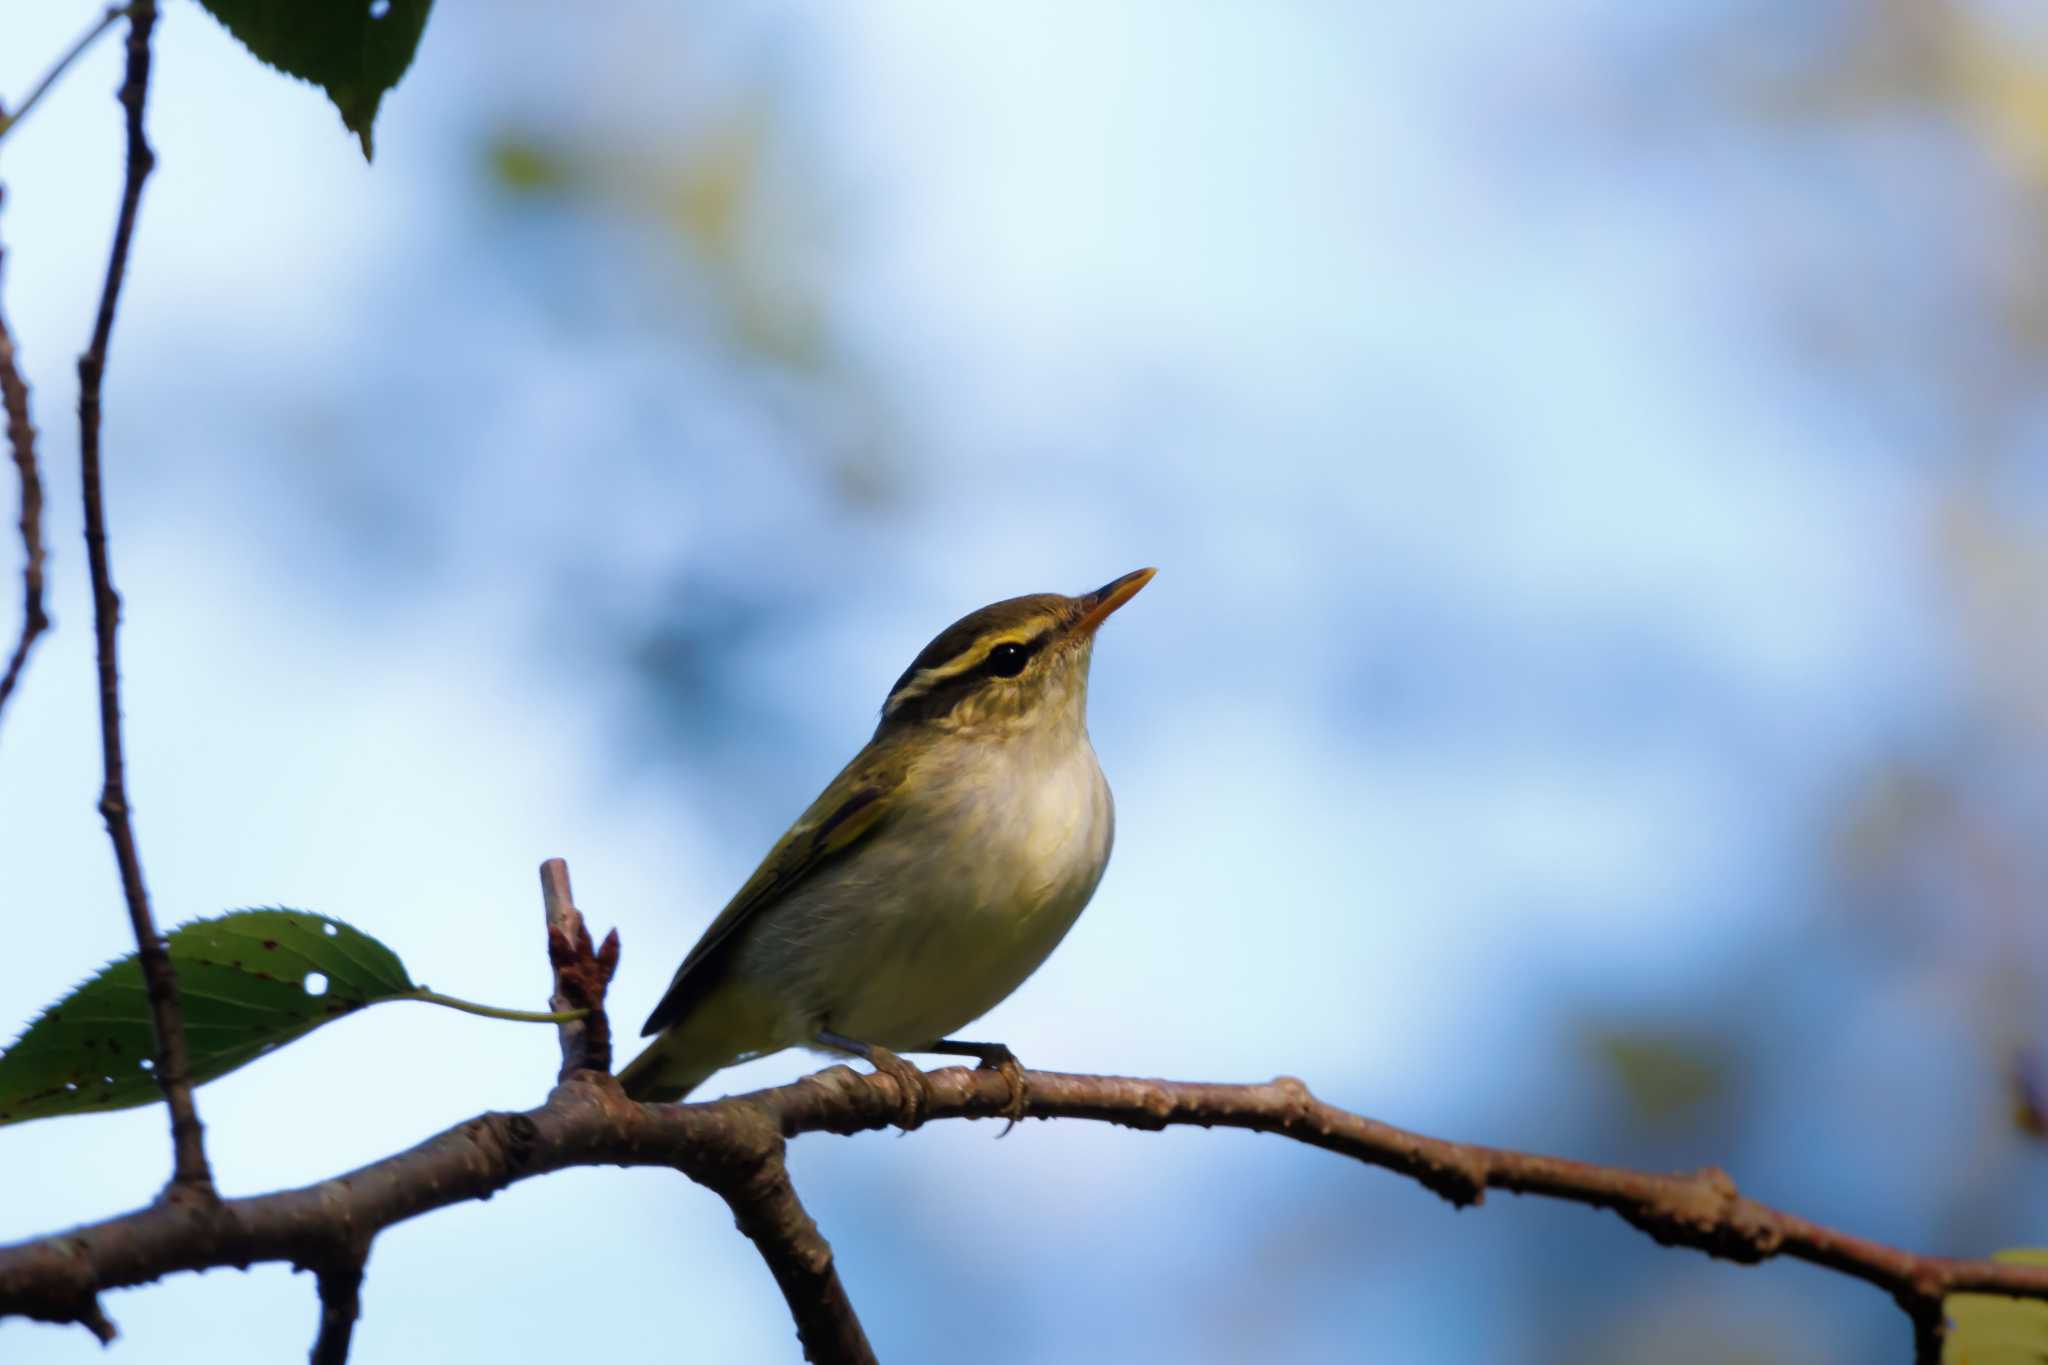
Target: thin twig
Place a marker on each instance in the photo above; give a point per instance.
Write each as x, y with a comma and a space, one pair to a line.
341, 1303
582, 974
589, 1123
107, 20
21, 440
189, 1172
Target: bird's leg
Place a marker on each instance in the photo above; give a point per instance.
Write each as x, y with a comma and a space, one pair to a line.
994, 1057
910, 1082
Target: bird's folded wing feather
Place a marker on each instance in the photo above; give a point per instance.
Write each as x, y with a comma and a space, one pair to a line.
851, 809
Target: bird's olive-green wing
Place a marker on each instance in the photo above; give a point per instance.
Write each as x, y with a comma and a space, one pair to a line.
851, 809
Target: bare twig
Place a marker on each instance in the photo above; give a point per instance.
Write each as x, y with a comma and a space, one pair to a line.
582, 974
107, 20
189, 1173
340, 1305
21, 440
588, 1123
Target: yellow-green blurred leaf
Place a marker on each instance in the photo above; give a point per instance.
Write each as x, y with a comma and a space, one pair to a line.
1664, 1077
1990, 1329
521, 165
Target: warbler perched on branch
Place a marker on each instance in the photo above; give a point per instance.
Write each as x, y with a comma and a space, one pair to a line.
934, 874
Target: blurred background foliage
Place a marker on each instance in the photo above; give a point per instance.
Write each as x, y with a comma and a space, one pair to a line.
1592, 699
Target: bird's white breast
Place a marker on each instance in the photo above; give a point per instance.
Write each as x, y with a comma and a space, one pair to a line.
978, 879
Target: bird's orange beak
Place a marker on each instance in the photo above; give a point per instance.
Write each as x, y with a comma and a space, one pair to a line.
1107, 599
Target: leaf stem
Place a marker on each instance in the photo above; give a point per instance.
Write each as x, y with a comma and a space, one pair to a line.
492, 1011
113, 15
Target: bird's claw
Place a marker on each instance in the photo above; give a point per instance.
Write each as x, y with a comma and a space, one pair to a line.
913, 1087
1004, 1063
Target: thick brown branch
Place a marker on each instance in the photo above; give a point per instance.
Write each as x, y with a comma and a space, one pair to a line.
21, 440
588, 1123
189, 1173
765, 1207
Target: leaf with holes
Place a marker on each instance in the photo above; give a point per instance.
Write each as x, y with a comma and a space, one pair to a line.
250, 981
355, 50
1991, 1329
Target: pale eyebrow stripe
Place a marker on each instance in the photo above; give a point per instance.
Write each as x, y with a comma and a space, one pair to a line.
960, 665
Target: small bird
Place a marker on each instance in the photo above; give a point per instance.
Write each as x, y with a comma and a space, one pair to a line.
935, 873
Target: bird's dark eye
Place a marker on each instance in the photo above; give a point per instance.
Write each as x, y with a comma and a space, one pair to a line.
1008, 660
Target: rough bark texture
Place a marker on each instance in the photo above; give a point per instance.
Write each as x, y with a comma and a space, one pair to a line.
734, 1146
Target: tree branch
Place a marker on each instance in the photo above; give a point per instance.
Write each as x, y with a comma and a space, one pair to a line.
582, 975
754, 1183
189, 1172
738, 1140
340, 1306
764, 1206
21, 440
106, 21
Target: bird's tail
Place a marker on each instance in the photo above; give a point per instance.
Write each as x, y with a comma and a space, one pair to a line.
667, 1070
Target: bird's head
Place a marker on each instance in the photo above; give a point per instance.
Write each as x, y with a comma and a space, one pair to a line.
1014, 666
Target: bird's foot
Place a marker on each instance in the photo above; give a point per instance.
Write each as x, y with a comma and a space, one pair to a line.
1012, 1072
913, 1090
998, 1058
913, 1087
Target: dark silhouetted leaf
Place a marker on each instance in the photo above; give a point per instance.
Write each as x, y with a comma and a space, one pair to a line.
250, 980
355, 50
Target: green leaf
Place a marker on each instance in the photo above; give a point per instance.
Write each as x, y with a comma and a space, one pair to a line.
250, 981
1666, 1077
526, 166
1991, 1329
355, 50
